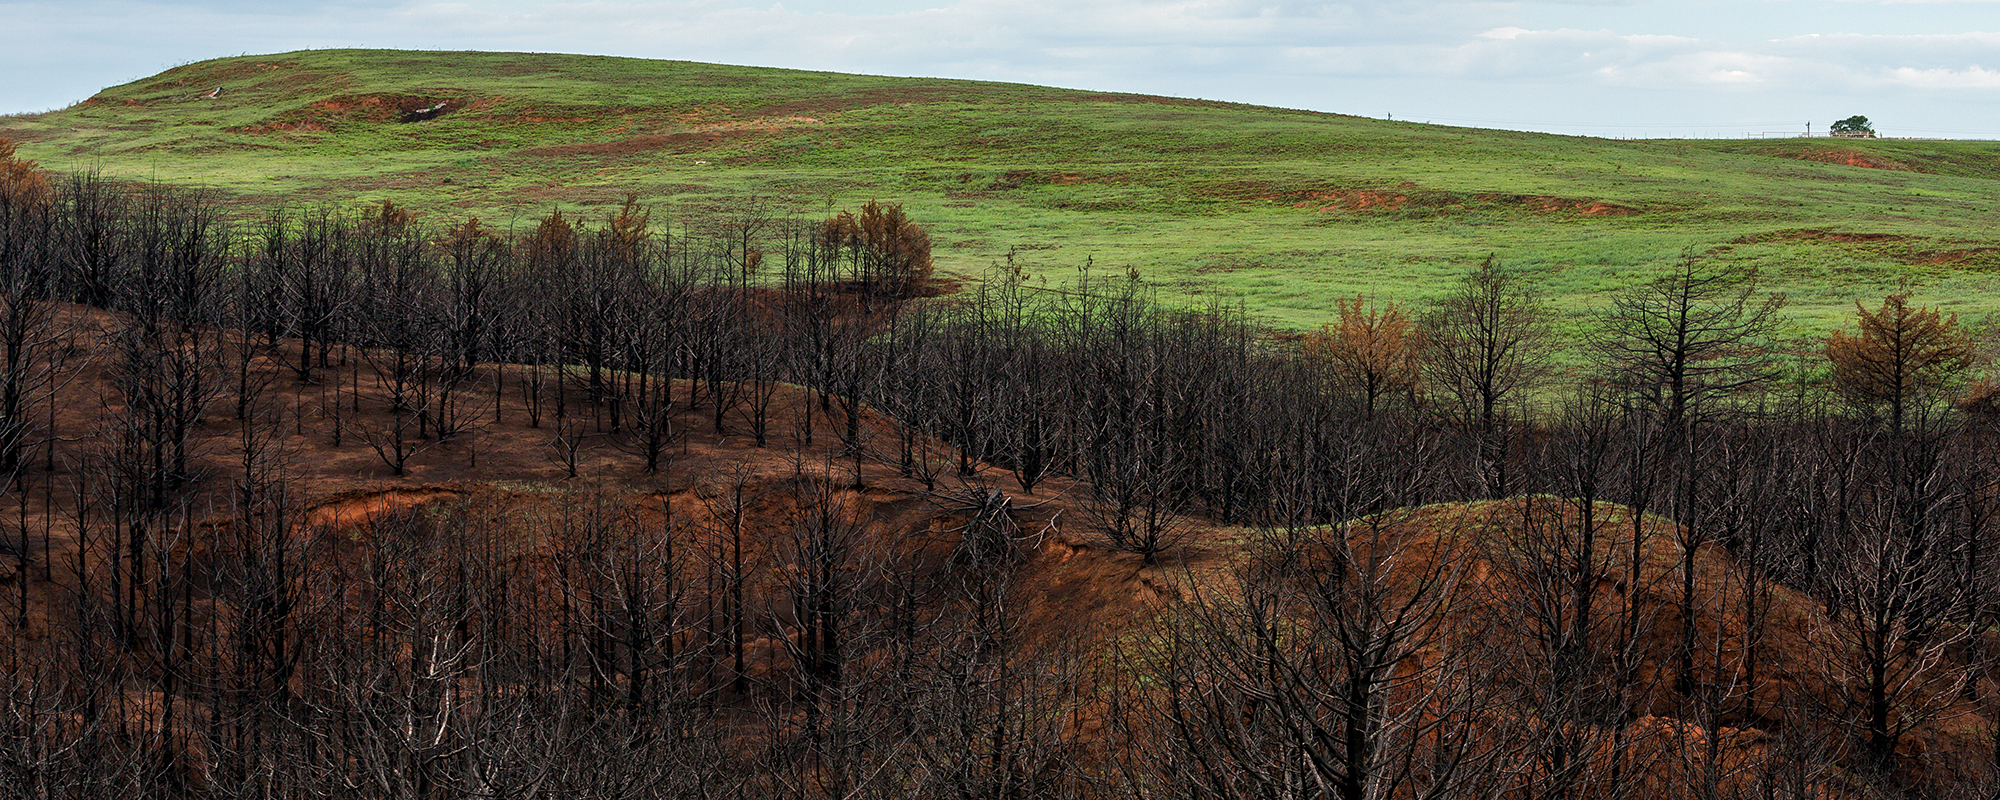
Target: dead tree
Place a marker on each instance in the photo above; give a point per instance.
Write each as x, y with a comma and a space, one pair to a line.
1485, 347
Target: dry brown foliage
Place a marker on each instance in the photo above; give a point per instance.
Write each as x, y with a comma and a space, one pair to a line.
21, 182
1372, 350
892, 252
1899, 352
388, 217
554, 240
628, 228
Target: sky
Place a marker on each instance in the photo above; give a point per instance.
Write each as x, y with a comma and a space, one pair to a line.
1619, 68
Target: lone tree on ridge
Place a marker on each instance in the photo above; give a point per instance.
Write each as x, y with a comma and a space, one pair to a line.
1856, 125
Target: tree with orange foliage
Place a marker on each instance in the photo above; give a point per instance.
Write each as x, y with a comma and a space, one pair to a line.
889, 253
1899, 353
32, 344
21, 182
1371, 350
553, 244
387, 217
629, 229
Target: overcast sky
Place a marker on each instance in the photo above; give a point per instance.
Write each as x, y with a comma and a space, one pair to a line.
1601, 67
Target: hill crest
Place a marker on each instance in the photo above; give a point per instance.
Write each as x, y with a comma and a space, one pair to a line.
1280, 210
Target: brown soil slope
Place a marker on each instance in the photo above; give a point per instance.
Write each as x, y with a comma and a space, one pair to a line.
1751, 660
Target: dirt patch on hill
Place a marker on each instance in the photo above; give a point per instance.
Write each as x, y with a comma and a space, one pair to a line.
1594, 208
358, 507
1846, 158
1355, 200
1970, 256
334, 112
1791, 645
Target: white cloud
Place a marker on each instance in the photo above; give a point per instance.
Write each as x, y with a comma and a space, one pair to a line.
1711, 69
1974, 77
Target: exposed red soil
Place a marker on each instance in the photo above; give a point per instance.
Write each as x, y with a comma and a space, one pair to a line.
1846, 158
1803, 658
359, 507
1960, 256
1595, 208
508, 470
504, 480
332, 112
1355, 200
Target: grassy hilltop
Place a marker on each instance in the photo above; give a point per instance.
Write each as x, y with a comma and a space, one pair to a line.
1280, 210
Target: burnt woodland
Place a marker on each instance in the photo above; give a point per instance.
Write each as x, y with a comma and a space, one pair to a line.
303, 503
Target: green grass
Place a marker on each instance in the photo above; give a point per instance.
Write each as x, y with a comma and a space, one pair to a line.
1278, 210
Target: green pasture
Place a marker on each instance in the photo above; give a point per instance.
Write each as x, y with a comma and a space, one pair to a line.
1279, 211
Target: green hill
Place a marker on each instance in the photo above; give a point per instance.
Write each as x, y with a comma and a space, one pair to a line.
1280, 210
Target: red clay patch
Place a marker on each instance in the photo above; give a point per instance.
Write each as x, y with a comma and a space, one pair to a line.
1846, 158
354, 509
1354, 201
334, 112
1960, 256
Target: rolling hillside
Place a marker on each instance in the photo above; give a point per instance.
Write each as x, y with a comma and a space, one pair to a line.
383, 511
1280, 210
